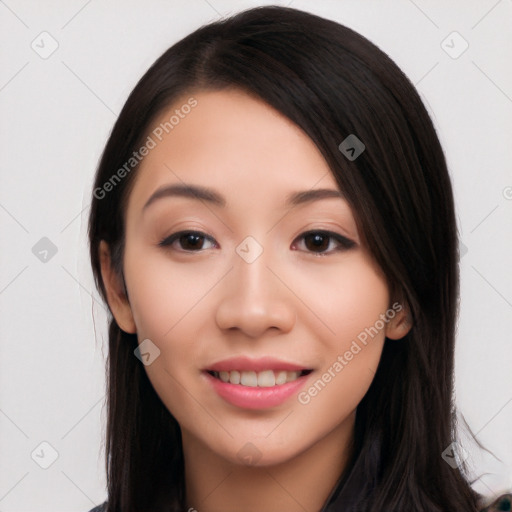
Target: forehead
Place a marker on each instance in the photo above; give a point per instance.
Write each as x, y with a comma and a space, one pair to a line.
233, 142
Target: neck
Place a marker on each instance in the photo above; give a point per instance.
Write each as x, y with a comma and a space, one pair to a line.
303, 483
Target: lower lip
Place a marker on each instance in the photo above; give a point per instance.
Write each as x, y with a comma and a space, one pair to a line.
249, 397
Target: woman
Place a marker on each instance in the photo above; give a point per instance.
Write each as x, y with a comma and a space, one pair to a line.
273, 230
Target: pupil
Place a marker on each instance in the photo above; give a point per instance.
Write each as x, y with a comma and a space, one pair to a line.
191, 240
318, 241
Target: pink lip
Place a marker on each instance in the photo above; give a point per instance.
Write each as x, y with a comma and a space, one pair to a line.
248, 397
255, 365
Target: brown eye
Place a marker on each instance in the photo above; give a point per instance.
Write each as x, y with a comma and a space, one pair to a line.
324, 242
317, 242
190, 241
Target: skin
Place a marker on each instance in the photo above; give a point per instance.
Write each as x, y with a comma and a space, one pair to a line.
203, 306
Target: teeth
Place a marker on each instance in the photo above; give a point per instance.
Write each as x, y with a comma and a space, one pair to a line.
248, 378
281, 377
292, 376
264, 379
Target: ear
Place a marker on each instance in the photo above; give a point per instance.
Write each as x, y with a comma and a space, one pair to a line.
398, 326
116, 296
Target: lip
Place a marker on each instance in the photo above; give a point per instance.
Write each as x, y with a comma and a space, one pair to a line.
241, 363
249, 397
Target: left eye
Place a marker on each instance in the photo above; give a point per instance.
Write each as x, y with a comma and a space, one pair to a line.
322, 242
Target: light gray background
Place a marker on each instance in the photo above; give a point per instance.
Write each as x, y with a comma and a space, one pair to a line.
56, 114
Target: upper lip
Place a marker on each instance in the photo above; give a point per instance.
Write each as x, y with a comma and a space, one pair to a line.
242, 363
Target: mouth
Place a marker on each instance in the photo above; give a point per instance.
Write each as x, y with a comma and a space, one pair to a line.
263, 389
261, 379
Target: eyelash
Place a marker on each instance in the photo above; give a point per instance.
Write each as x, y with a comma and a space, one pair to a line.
344, 243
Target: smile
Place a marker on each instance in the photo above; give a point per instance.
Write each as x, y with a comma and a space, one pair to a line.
253, 395
262, 379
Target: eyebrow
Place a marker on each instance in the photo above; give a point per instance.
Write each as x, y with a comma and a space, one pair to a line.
206, 194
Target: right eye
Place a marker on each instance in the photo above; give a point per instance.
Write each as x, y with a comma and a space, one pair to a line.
189, 241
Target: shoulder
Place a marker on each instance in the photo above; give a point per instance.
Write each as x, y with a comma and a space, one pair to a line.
100, 508
502, 503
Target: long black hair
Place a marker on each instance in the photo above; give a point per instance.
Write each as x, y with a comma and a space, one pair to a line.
332, 82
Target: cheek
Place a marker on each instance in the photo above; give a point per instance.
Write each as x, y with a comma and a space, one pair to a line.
163, 293
349, 299
333, 395
167, 307
344, 298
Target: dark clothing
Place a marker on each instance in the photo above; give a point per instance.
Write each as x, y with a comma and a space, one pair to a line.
100, 508
503, 503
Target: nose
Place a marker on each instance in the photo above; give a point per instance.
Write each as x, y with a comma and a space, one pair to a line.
254, 300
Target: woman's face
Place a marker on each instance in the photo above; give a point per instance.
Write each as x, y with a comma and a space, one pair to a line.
268, 283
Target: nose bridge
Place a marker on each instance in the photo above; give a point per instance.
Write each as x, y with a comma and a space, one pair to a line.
253, 299
253, 281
